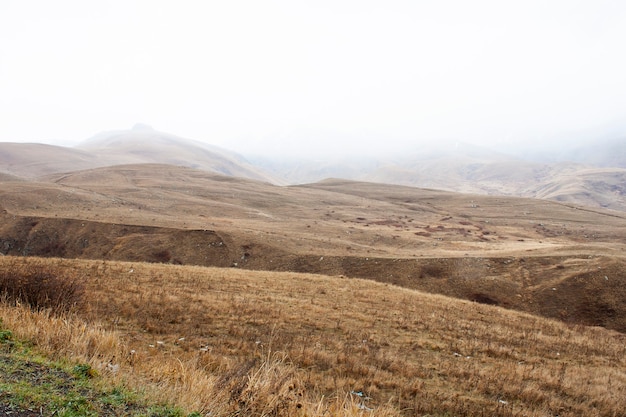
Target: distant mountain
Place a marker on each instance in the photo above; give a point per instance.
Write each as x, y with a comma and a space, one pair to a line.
593, 175
595, 187
9, 178
303, 171
139, 145
472, 169
142, 144
461, 168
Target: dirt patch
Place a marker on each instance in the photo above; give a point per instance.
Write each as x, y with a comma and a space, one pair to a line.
6, 410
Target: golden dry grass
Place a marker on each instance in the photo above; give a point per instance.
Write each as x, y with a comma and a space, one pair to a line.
226, 341
506, 251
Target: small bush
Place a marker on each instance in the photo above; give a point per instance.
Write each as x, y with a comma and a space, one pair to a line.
162, 256
40, 287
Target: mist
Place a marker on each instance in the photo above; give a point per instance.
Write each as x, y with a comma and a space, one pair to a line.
317, 79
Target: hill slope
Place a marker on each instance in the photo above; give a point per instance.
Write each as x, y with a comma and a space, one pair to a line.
247, 343
471, 169
30, 160
142, 144
571, 176
525, 254
604, 187
135, 146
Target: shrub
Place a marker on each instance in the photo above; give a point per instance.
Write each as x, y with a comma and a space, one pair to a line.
162, 256
41, 287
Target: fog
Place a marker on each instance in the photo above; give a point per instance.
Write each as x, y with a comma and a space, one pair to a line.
316, 78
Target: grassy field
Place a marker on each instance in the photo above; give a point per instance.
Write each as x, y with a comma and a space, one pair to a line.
232, 342
231, 297
550, 259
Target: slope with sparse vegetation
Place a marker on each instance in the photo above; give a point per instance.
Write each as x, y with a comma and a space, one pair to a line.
283, 301
540, 257
235, 342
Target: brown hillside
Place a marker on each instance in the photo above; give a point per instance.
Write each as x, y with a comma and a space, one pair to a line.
248, 343
600, 187
140, 145
531, 255
469, 169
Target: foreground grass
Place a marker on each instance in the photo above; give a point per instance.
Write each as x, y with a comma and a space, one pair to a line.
31, 384
232, 342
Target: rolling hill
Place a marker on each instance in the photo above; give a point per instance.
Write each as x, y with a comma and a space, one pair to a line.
30, 160
226, 341
590, 175
236, 296
525, 254
471, 169
603, 153
604, 187
141, 144
159, 198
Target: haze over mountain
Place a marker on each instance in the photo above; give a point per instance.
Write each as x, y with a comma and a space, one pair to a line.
29, 160
138, 145
317, 78
590, 175
604, 153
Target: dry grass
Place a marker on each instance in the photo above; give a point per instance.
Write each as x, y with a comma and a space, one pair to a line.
340, 218
41, 287
259, 343
529, 255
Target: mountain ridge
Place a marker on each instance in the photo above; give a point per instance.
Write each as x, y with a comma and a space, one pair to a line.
121, 147
586, 178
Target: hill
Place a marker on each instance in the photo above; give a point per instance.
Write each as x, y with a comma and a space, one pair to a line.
607, 153
235, 296
471, 169
543, 257
585, 175
604, 187
141, 144
29, 160
235, 342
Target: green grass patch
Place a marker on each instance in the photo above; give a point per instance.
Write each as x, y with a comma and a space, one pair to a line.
29, 381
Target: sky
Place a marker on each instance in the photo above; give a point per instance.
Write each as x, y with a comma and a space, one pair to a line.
315, 77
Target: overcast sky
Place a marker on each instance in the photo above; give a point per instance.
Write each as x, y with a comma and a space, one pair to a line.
303, 76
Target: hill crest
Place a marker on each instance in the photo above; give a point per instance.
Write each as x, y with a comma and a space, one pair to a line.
140, 145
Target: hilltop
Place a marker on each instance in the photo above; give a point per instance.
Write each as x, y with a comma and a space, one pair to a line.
138, 145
